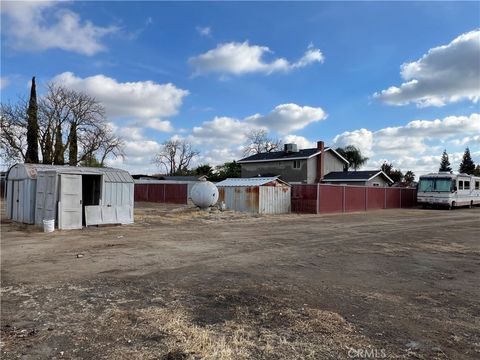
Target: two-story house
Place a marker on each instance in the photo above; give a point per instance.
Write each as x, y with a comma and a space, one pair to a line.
305, 166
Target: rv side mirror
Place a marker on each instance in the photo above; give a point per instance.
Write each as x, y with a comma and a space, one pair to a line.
454, 189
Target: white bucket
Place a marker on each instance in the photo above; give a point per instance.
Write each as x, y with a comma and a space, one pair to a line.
48, 225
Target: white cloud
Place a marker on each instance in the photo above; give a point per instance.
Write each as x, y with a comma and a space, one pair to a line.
159, 125
221, 130
417, 145
302, 142
242, 58
144, 100
218, 156
285, 118
204, 30
282, 119
4, 81
29, 27
446, 74
361, 138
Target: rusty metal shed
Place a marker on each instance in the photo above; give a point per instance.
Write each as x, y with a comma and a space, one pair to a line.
260, 195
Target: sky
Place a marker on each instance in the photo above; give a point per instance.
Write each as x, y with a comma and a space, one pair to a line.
399, 80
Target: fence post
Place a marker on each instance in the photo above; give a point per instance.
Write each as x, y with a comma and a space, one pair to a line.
148, 195
385, 199
400, 198
366, 198
318, 198
343, 199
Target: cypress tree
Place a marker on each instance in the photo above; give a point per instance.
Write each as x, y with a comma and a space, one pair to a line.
58, 157
467, 166
73, 146
445, 163
31, 155
47, 152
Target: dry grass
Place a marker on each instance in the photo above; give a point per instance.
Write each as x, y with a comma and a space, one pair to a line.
302, 333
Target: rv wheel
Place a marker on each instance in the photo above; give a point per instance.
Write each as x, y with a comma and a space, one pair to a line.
452, 205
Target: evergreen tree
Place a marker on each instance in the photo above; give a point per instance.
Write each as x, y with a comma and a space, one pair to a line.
47, 153
73, 146
58, 156
477, 170
31, 156
409, 177
445, 163
467, 166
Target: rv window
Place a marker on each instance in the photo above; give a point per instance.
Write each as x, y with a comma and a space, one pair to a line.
460, 185
296, 164
477, 185
466, 185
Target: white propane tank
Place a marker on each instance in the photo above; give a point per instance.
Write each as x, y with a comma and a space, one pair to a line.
204, 194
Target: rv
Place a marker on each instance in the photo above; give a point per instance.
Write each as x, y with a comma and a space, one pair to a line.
448, 190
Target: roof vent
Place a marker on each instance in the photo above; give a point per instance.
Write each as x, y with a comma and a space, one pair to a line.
290, 148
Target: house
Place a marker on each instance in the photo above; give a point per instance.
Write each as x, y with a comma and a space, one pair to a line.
73, 196
259, 195
305, 166
361, 178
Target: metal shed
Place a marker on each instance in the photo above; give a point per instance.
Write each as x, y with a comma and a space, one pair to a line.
73, 196
260, 195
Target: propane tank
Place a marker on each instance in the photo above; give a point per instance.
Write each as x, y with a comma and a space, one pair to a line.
204, 194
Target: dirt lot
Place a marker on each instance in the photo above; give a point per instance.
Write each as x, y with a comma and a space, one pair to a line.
186, 284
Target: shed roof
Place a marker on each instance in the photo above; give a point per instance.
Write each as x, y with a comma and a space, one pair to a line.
283, 155
256, 181
19, 171
365, 175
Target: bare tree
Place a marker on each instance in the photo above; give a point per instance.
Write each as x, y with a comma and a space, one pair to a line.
258, 141
71, 124
175, 156
13, 124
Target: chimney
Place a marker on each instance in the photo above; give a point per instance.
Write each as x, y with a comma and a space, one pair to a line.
320, 161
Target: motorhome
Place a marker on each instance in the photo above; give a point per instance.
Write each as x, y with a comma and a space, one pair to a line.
448, 190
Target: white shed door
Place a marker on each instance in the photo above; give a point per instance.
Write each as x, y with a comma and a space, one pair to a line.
70, 205
46, 197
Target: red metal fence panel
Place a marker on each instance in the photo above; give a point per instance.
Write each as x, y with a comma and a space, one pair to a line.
140, 192
392, 198
304, 199
375, 198
176, 193
409, 197
323, 198
331, 198
162, 193
355, 198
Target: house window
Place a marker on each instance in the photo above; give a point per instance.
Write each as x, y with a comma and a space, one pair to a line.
460, 185
376, 184
296, 164
466, 185
477, 185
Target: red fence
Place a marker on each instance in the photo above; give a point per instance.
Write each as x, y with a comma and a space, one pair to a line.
162, 193
323, 198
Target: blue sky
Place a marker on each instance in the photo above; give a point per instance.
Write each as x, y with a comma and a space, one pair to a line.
209, 72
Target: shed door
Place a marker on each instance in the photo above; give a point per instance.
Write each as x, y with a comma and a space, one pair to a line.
70, 204
46, 196
16, 208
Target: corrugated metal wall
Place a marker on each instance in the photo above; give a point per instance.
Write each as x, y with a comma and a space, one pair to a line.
275, 200
256, 199
162, 193
240, 198
322, 198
